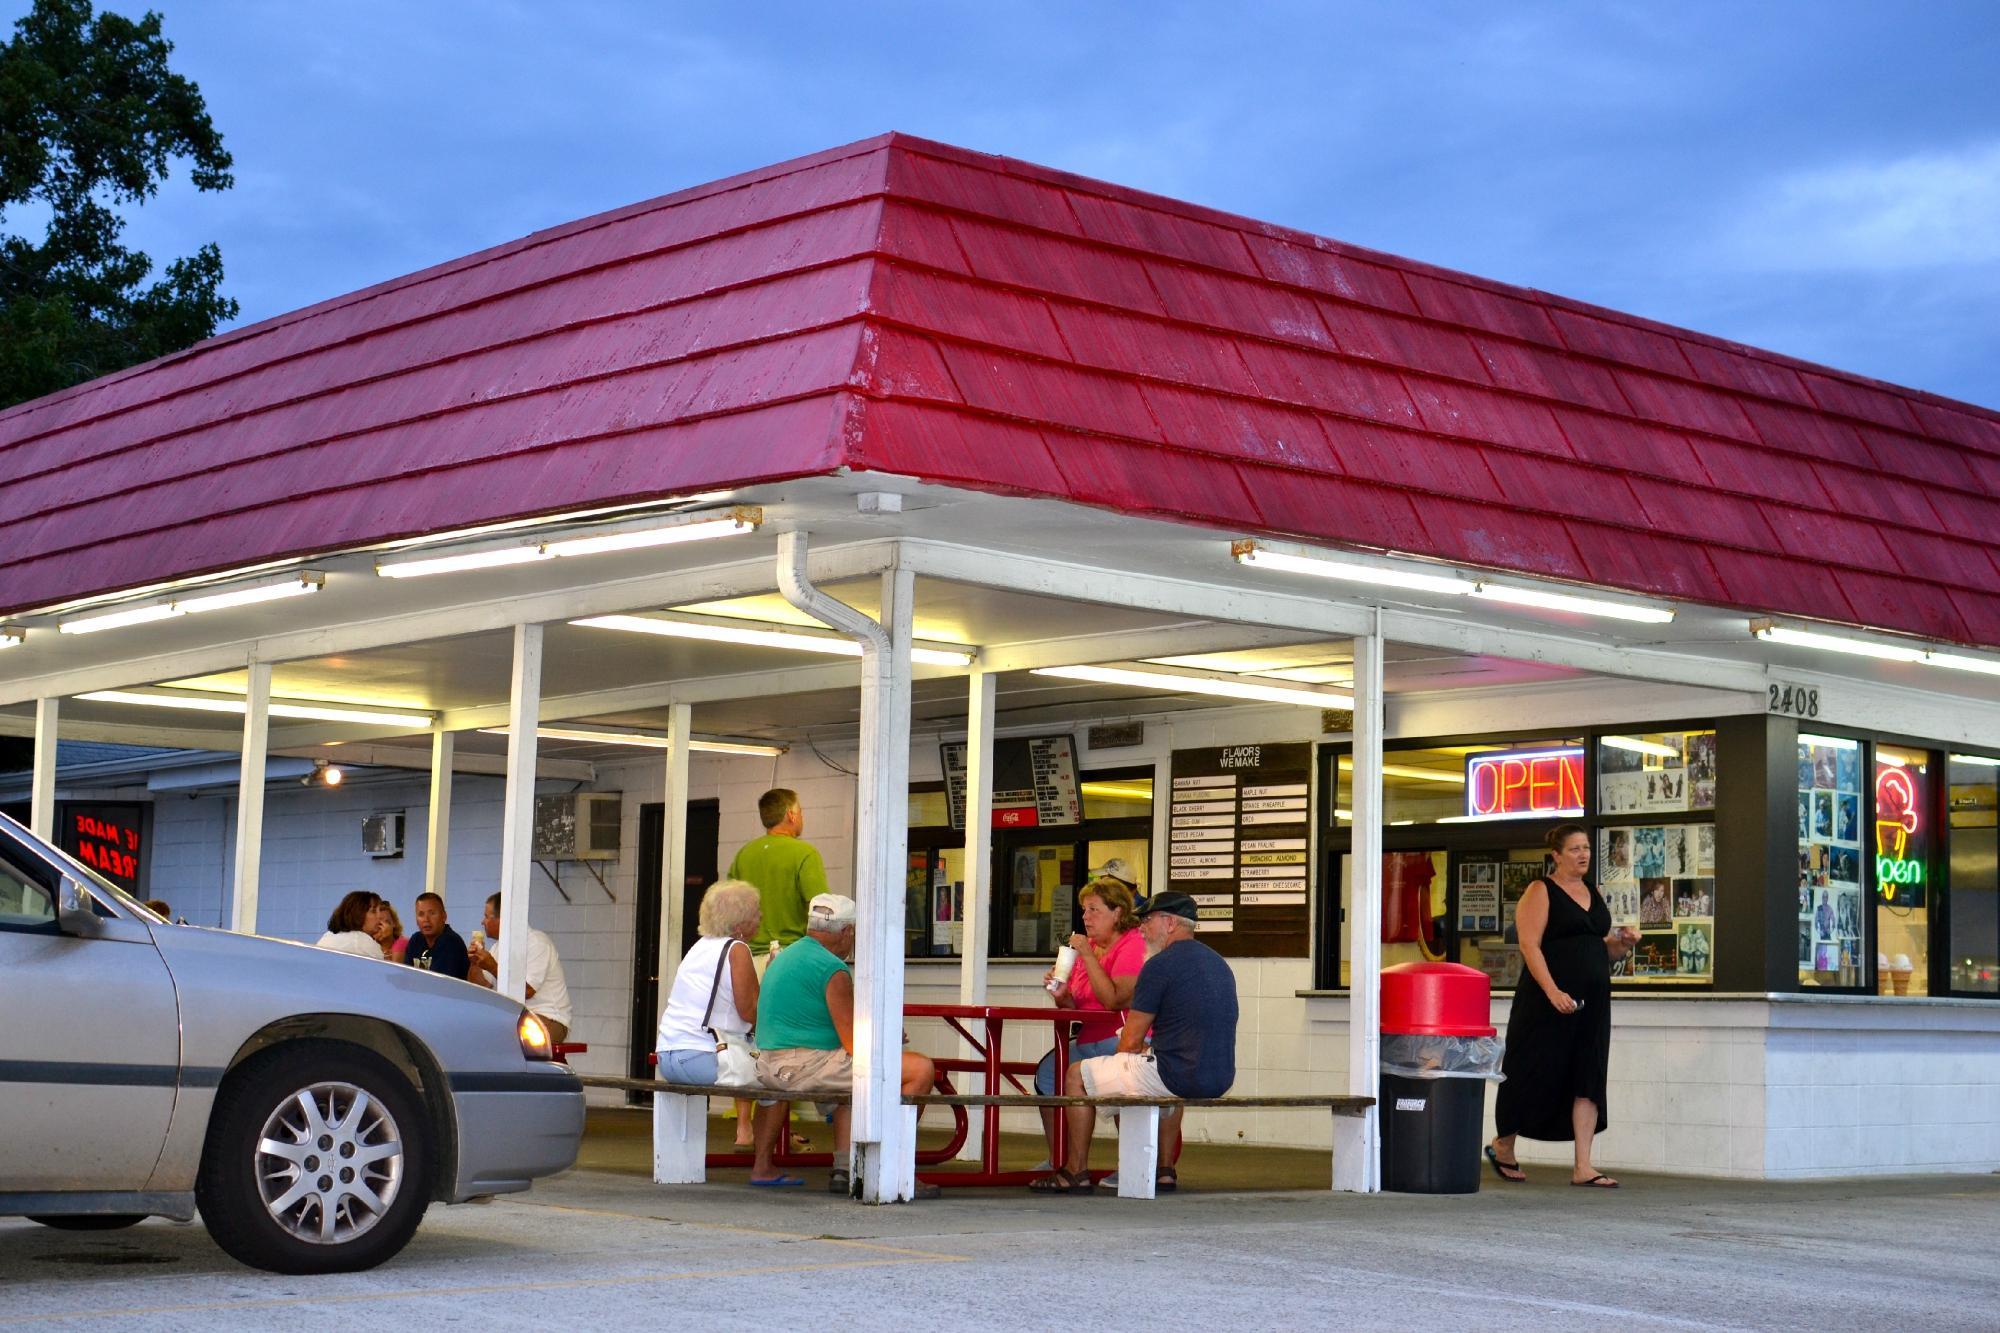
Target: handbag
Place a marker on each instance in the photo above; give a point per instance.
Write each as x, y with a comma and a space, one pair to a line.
735, 1057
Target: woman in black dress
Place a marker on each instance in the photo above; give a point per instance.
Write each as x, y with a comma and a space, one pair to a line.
1559, 1034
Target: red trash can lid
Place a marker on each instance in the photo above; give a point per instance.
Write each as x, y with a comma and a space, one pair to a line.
1436, 1000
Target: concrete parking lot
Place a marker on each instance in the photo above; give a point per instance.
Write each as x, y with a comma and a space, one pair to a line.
606, 1250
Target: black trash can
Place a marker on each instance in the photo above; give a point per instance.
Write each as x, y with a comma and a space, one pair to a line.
1438, 1052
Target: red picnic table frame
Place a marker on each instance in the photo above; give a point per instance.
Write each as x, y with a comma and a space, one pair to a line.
990, 1021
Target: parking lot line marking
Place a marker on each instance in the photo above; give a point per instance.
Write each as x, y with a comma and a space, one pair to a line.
405, 1294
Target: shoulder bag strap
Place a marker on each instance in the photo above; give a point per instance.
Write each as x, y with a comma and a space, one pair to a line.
715, 989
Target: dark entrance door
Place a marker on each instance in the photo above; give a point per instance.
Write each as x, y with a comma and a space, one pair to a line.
704, 823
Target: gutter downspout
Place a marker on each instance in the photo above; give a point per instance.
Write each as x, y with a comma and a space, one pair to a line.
884, 1131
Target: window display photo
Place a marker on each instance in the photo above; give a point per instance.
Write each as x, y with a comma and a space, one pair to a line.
1830, 868
1660, 879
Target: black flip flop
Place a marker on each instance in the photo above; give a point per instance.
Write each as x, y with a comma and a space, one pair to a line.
1597, 1182
1501, 1168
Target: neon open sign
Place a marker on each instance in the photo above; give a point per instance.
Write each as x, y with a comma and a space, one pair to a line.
1896, 823
1523, 782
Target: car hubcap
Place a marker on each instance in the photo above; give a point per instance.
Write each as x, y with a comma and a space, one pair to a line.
329, 1163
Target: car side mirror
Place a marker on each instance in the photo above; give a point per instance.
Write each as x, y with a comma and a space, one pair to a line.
76, 914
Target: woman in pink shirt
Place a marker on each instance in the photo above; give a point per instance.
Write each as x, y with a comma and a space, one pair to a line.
1109, 954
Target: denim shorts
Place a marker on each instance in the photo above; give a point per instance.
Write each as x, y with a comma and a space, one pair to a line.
1045, 1073
688, 1066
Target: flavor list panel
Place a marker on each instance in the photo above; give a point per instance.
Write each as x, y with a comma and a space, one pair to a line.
1034, 782
1239, 828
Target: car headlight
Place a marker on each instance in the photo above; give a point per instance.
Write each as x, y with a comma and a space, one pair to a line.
534, 1034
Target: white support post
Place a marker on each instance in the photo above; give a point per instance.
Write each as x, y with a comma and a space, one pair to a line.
885, 1141
976, 910
439, 832
42, 786
1357, 1140
674, 849
1138, 1151
250, 797
517, 820
680, 1139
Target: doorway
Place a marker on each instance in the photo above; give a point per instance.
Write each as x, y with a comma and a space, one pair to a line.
704, 830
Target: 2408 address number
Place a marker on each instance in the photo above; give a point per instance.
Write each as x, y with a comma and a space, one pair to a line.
1800, 701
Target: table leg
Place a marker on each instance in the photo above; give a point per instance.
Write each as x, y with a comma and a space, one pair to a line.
990, 1138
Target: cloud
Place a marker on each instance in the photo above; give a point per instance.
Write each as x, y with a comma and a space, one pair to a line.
1923, 211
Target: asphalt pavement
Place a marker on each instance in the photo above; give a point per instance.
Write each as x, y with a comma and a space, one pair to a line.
606, 1251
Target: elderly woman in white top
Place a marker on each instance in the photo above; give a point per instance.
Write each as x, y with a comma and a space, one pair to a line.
715, 991
352, 927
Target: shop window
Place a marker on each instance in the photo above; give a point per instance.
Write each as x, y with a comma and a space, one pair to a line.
1490, 885
1655, 772
1904, 865
1973, 904
1467, 784
1660, 879
1038, 872
930, 807
1118, 798
1831, 839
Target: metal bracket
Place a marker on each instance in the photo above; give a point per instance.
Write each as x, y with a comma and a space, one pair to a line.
556, 880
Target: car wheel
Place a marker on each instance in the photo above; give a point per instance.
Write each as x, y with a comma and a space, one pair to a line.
317, 1160
92, 1221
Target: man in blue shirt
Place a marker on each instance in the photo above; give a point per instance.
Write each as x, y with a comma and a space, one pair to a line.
1186, 997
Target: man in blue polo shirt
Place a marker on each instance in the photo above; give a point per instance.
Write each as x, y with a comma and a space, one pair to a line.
1186, 996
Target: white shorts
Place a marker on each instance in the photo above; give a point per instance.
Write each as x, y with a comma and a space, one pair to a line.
1122, 1074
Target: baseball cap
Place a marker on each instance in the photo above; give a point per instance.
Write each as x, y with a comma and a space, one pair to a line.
1174, 904
1116, 868
829, 911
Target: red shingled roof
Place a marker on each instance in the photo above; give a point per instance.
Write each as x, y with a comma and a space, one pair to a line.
908, 307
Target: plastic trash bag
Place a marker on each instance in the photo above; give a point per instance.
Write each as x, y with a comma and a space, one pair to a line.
1443, 1057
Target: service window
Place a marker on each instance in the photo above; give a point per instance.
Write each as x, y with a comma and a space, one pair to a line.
1972, 904
1831, 838
1904, 864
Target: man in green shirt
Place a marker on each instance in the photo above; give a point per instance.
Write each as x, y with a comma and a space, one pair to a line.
805, 1035
786, 869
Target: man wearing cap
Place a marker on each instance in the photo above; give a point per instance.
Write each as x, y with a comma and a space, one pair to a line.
805, 1032
1186, 997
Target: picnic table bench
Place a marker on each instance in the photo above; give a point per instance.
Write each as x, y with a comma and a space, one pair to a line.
680, 1122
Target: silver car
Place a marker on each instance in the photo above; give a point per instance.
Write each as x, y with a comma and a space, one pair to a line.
310, 1103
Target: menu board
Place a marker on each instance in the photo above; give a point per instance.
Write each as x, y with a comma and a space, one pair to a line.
1034, 782
1238, 831
1660, 879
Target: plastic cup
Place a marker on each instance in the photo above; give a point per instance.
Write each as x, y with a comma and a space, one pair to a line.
1065, 964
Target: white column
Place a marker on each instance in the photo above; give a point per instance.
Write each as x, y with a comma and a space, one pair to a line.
978, 906
1357, 1140
443, 744
977, 910
250, 797
884, 1138
517, 821
42, 786
674, 848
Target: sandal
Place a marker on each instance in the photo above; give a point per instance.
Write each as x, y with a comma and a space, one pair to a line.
1060, 1181
1167, 1181
1597, 1182
1501, 1168
840, 1182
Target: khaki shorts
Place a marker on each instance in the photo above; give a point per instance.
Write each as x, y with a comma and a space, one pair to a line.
1122, 1074
802, 1069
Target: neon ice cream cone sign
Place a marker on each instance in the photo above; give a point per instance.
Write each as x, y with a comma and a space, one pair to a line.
1896, 822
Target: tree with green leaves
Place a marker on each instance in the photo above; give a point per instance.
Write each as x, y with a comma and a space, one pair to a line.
91, 119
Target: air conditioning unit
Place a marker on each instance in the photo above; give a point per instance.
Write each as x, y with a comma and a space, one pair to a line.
578, 826
382, 834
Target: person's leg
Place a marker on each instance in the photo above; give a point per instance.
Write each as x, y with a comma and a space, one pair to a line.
843, 1120
745, 1108
1583, 1121
1080, 1124
1045, 1086
919, 1075
1170, 1142
558, 1032
768, 1120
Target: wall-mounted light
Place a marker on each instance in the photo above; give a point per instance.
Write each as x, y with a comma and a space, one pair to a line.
195, 602
324, 774
1180, 681
1253, 555
306, 709
631, 535
768, 634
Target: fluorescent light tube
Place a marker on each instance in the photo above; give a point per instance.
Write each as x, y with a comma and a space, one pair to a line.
310, 581
1583, 606
1259, 558
294, 708
1978, 759
760, 634
1831, 742
1985, 666
1178, 683
1833, 643
138, 615
1512, 814
1638, 746
647, 741
638, 538
454, 564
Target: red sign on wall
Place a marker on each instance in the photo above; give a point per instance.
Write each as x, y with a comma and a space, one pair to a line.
110, 839
1524, 782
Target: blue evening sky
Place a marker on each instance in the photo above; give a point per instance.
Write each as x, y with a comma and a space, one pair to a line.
1818, 178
